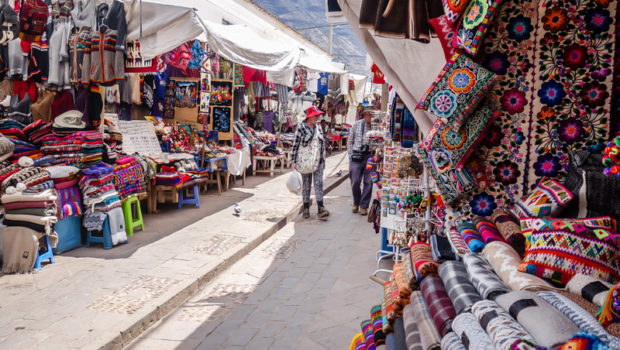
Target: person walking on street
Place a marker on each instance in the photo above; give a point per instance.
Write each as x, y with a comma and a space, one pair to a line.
360, 149
309, 134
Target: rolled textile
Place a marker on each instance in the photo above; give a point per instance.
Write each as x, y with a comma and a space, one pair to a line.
505, 262
439, 303
580, 317
451, 341
357, 343
483, 277
508, 228
402, 282
412, 334
388, 294
19, 249
457, 242
590, 288
377, 325
399, 334
369, 339
385, 324
441, 249
471, 236
398, 301
409, 271
551, 330
422, 260
472, 335
487, 230
460, 290
499, 325
429, 336
591, 309
390, 342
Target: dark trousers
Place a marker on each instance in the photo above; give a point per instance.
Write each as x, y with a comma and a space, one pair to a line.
357, 175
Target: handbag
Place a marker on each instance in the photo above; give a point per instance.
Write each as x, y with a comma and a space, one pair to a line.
309, 157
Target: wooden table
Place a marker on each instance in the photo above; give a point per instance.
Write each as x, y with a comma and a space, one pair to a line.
268, 164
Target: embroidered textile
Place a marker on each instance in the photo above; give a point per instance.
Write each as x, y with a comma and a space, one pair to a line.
547, 199
474, 24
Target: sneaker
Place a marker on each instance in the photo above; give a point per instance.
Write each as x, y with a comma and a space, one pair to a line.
355, 209
323, 213
363, 211
306, 213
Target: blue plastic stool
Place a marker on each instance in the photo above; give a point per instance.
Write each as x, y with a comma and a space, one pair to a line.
44, 254
185, 199
105, 238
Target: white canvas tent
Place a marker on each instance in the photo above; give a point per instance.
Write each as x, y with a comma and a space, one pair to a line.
408, 65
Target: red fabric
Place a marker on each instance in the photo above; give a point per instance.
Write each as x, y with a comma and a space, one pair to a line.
441, 26
251, 74
378, 77
63, 102
21, 87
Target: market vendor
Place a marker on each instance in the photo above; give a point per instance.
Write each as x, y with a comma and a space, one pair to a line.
309, 139
360, 149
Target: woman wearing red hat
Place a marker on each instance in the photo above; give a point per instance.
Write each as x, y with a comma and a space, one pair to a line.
309, 134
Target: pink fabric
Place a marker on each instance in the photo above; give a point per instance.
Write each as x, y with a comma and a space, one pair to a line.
25, 205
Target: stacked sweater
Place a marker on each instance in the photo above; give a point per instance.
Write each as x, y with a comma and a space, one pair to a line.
81, 149
128, 177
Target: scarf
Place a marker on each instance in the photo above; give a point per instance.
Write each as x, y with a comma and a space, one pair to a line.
429, 337
452, 342
19, 246
472, 335
482, 276
552, 330
462, 293
470, 235
376, 318
441, 249
369, 339
487, 230
580, 317
422, 259
508, 228
501, 327
402, 282
411, 329
590, 288
439, 304
505, 262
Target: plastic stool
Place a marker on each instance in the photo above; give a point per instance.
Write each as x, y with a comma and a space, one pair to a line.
132, 222
105, 237
184, 199
44, 254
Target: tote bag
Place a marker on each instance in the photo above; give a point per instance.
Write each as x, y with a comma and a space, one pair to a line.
308, 157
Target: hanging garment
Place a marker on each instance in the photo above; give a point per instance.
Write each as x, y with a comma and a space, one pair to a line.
59, 65
117, 226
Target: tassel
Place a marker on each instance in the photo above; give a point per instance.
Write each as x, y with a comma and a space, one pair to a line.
609, 310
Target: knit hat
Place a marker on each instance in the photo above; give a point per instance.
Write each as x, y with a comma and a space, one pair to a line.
32, 19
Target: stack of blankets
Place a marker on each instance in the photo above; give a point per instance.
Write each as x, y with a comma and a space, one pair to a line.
31, 204
14, 131
81, 149
102, 201
38, 131
128, 177
169, 176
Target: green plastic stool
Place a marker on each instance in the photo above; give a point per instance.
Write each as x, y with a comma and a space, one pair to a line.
132, 221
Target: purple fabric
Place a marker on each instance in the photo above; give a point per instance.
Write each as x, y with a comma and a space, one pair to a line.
268, 121
358, 174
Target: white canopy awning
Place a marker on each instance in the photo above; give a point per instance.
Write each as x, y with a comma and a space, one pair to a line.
321, 64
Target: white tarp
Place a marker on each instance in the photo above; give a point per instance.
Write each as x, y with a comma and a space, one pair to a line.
408, 65
321, 64
243, 45
164, 26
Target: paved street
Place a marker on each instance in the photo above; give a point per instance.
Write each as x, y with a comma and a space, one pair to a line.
306, 287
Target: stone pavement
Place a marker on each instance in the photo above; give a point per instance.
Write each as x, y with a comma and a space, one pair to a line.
87, 302
306, 287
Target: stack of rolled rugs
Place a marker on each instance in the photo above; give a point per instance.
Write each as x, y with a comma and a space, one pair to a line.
440, 296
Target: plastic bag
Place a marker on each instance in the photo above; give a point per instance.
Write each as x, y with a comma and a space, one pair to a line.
293, 182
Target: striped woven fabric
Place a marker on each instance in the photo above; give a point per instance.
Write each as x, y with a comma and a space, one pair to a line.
411, 329
402, 282
410, 273
376, 317
357, 343
385, 324
483, 277
451, 341
471, 236
422, 259
460, 289
70, 202
439, 303
507, 227
429, 336
499, 325
369, 339
457, 241
487, 230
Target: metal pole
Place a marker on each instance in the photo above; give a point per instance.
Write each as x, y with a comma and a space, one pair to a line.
331, 38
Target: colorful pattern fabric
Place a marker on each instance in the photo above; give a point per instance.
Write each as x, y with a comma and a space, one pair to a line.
453, 9
548, 198
439, 303
457, 241
462, 293
368, 335
70, 202
508, 228
458, 90
557, 254
422, 260
376, 318
357, 343
487, 230
529, 225
474, 24
472, 237
585, 341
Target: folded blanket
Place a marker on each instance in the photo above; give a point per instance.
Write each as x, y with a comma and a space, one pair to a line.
460, 290
499, 325
483, 277
26, 196
439, 304
472, 237
508, 228
441, 249
590, 288
409, 271
487, 230
412, 334
368, 335
580, 317
51, 211
377, 325
422, 260
552, 330
505, 262
35, 219
451, 341
19, 249
429, 336
402, 282
472, 335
